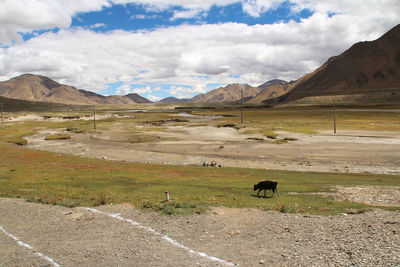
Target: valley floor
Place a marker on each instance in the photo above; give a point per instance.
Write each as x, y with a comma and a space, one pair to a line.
346, 151
122, 235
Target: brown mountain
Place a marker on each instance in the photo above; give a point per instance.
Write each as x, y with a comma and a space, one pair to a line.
137, 98
12, 105
367, 72
270, 89
42, 89
173, 100
271, 82
229, 93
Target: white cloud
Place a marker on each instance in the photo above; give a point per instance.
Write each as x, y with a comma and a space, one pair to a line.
143, 16
153, 98
97, 25
185, 92
158, 5
27, 15
187, 14
256, 7
142, 90
124, 89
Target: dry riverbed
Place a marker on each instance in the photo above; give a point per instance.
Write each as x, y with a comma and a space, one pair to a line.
347, 151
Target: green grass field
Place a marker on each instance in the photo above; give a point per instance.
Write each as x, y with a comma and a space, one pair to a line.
74, 181
308, 120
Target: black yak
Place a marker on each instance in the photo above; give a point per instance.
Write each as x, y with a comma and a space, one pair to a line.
266, 185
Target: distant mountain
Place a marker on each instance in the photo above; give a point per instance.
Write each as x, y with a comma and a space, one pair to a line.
42, 89
137, 98
270, 89
173, 100
366, 72
227, 94
13, 105
271, 82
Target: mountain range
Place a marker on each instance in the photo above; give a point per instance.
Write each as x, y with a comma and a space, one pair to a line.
368, 72
229, 93
43, 89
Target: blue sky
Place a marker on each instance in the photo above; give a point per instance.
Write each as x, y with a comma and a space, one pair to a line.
137, 17
161, 48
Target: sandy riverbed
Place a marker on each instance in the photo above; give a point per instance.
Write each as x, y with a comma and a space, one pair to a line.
346, 151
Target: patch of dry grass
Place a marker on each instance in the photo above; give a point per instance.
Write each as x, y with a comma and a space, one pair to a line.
57, 137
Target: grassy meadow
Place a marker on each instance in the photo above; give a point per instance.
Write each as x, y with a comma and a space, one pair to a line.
309, 120
71, 181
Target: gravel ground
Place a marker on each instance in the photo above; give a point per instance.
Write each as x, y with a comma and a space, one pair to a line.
388, 196
370, 195
247, 237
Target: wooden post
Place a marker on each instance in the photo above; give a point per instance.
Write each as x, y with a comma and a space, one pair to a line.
2, 117
94, 117
241, 109
334, 117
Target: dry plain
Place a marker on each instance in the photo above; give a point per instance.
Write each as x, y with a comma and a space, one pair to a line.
122, 235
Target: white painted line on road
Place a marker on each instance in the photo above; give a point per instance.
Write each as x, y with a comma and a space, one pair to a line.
27, 246
165, 237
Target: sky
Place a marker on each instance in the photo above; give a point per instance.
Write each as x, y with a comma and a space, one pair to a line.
181, 48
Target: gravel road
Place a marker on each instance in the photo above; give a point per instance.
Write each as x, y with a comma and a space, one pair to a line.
247, 237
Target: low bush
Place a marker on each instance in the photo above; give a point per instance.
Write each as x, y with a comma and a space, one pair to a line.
18, 141
57, 137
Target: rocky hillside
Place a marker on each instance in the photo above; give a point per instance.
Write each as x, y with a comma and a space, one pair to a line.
14, 105
42, 89
368, 71
228, 94
173, 100
270, 89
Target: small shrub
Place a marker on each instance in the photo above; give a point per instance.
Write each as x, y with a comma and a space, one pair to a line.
57, 137
231, 125
100, 199
357, 211
18, 141
283, 208
269, 133
71, 129
75, 130
179, 120
140, 138
255, 139
175, 208
147, 205
280, 141
69, 203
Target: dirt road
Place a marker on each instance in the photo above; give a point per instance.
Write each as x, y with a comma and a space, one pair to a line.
81, 237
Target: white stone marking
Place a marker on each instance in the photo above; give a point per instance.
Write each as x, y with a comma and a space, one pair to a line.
165, 237
27, 246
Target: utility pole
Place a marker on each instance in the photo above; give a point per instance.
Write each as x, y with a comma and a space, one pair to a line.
2, 117
241, 109
334, 117
94, 117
